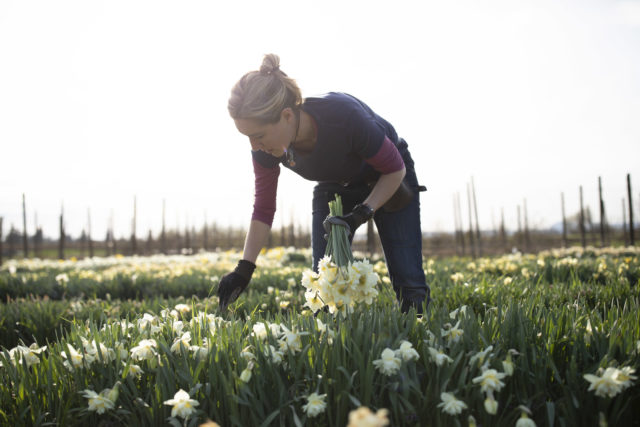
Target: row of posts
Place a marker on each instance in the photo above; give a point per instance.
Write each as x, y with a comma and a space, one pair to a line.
471, 241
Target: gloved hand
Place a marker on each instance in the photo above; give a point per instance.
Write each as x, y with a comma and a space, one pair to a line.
359, 215
232, 284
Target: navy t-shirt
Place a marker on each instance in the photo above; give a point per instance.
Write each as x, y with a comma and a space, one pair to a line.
353, 145
348, 132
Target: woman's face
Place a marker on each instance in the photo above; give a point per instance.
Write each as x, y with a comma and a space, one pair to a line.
271, 138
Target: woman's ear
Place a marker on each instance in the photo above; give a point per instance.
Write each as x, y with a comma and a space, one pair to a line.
287, 114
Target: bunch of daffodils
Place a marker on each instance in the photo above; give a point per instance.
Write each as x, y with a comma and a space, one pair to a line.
341, 282
340, 289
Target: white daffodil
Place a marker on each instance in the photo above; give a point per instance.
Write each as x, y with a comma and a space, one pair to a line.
313, 301
490, 380
99, 403
439, 357
491, 404
182, 342
74, 358
453, 334
275, 355
478, 359
525, 421
177, 326
247, 354
388, 363
625, 377
325, 330
450, 404
406, 352
28, 354
364, 417
245, 376
315, 404
260, 330
290, 340
134, 370
183, 308
182, 404
607, 385
145, 350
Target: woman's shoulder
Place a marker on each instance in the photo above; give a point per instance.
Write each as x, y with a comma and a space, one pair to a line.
333, 106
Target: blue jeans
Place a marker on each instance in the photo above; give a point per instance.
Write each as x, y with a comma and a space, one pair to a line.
400, 233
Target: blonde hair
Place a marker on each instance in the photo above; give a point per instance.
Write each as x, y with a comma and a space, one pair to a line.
263, 94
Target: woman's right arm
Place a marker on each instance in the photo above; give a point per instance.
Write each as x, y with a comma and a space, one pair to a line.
256, 239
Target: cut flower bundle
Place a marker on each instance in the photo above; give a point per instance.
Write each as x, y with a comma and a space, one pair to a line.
341, 282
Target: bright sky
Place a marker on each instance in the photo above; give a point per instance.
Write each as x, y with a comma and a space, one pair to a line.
101, 101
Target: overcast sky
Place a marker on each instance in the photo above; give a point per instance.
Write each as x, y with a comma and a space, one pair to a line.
104, 101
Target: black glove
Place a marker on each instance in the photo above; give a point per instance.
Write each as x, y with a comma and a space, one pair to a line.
232, 284
359, 215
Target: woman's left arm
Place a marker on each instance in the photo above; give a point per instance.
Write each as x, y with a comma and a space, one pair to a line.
385, 187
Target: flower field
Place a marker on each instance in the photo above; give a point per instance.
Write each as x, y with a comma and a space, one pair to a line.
520, 340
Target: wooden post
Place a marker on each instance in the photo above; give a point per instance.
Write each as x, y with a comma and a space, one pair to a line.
475, 209
1, 247
205, 234
583, 237
25, 236
472, 246
163, 234
89, 241
456, 227
134, 246
527, 238
520, 234
187, 238
625, 237
62, 236
503, 231
632, 238
602, 220
564, 222
148, 248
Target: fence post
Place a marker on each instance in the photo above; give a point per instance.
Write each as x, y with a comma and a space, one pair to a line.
472, 246
475, 209
134, 248
632, 238
602, 220
583, 236
25, 236
1, 247
89, 233
503, 231
205, 232
564, 222
163, 233
527, 239
456, 227
460, 223
62, 236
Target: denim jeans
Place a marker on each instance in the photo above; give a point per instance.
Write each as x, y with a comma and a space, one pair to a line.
400, 233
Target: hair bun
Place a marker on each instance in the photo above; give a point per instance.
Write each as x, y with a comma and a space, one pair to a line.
270, 64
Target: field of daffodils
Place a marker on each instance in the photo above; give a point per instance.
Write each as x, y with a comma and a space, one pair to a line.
551, 339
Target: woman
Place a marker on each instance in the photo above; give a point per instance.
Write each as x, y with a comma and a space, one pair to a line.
338, 141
